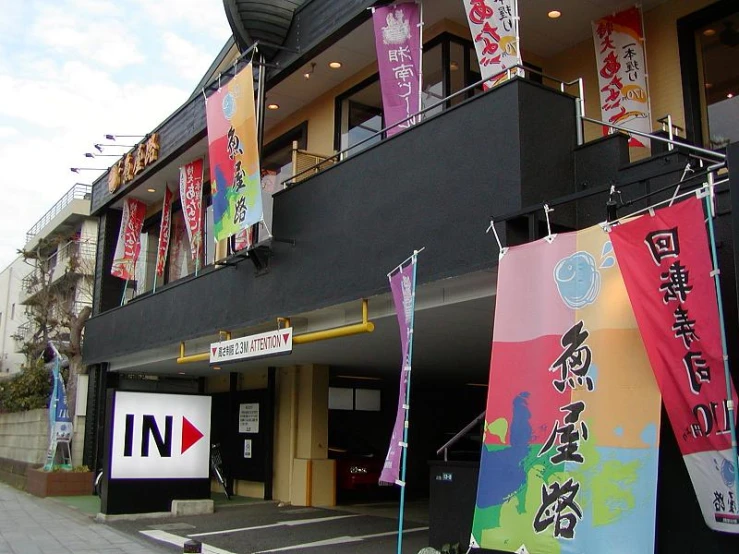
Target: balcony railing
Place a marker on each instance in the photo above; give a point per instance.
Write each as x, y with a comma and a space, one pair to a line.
77, 192
22, 334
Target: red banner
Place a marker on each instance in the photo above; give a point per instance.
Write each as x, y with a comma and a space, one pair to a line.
164, 230
129, 239
668, 273
191, 195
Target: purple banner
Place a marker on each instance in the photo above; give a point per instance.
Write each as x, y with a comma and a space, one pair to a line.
399, 60
402, 283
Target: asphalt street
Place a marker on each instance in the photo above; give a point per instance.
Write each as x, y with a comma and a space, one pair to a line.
263, 527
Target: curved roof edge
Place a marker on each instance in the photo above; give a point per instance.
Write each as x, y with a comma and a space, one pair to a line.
254, 20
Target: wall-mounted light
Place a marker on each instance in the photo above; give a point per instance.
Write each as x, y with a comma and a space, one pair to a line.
334, 65
554, 14
100, 147
114, 137
453, 65
78, 169
307, 74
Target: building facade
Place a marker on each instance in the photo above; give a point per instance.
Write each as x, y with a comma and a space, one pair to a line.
13, 321
350, 204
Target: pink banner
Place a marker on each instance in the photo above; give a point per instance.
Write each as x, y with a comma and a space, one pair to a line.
191, 196
164, 230
402, 283
494, 28
397, 40
668, 273
622, 72
129, 239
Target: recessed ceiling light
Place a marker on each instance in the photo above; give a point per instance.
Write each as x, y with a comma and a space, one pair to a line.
554, 14
709, 85
151, 190
180, 373
709, 32
273, 106
334, 65
730, 95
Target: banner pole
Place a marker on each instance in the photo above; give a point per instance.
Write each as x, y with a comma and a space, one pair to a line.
727, 372
407, 367
125, 288
420, 62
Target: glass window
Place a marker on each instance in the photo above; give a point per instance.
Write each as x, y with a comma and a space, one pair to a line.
720, 79
361, 117
433, 80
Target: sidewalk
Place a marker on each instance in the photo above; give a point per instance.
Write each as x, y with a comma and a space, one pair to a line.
30, 525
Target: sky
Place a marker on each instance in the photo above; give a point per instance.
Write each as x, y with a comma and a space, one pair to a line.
72, 71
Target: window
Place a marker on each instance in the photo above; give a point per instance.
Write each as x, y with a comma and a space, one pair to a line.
12, 311
719, 75
710, 76
449, 65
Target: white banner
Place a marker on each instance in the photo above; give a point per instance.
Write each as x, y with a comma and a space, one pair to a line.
622, 73
494, 28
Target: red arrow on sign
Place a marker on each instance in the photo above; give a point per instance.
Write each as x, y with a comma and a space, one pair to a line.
190, 434
285, 336
213, 349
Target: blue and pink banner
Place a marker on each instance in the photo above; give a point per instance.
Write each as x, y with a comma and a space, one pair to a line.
668, 272
570, 445
398, 43
234, 157
403, 285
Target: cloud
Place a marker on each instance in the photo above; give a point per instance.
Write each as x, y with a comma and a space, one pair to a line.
206, 16
100, 35
7, 131
190, 61
72, 71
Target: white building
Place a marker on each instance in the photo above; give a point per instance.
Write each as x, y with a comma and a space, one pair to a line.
13, 320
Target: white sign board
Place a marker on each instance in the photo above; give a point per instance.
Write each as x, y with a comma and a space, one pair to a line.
249, 418
271, 343
247, 448
160, 436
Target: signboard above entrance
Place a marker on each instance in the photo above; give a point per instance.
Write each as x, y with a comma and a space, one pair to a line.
271, 343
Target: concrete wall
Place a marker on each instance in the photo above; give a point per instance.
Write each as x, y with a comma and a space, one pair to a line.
24, 436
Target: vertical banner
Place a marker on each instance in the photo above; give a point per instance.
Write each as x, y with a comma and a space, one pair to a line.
164, 231
129, 239
668, 272
60, 422
570, 445
494, 28
191, 196
402, 283
622, 72
397, 39
234, 158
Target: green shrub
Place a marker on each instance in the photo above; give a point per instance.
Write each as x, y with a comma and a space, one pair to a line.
28, 390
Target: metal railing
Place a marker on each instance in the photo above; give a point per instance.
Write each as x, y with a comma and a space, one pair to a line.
77, 192
517, 70
451, 442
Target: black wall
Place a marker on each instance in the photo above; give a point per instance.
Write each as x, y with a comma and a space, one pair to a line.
434, 186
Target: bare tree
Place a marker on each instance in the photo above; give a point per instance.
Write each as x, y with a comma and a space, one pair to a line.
59, 302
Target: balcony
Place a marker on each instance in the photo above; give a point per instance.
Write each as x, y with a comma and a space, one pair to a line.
435, 185
70, 261
75, 200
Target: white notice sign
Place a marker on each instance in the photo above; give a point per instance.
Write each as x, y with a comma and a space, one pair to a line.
271, 343
247, 448
249, 418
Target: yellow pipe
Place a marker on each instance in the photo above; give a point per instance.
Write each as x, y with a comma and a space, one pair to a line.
345, 331
202, 356
336, 332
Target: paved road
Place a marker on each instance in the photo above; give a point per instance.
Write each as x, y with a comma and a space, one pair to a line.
266, 527
30, 525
